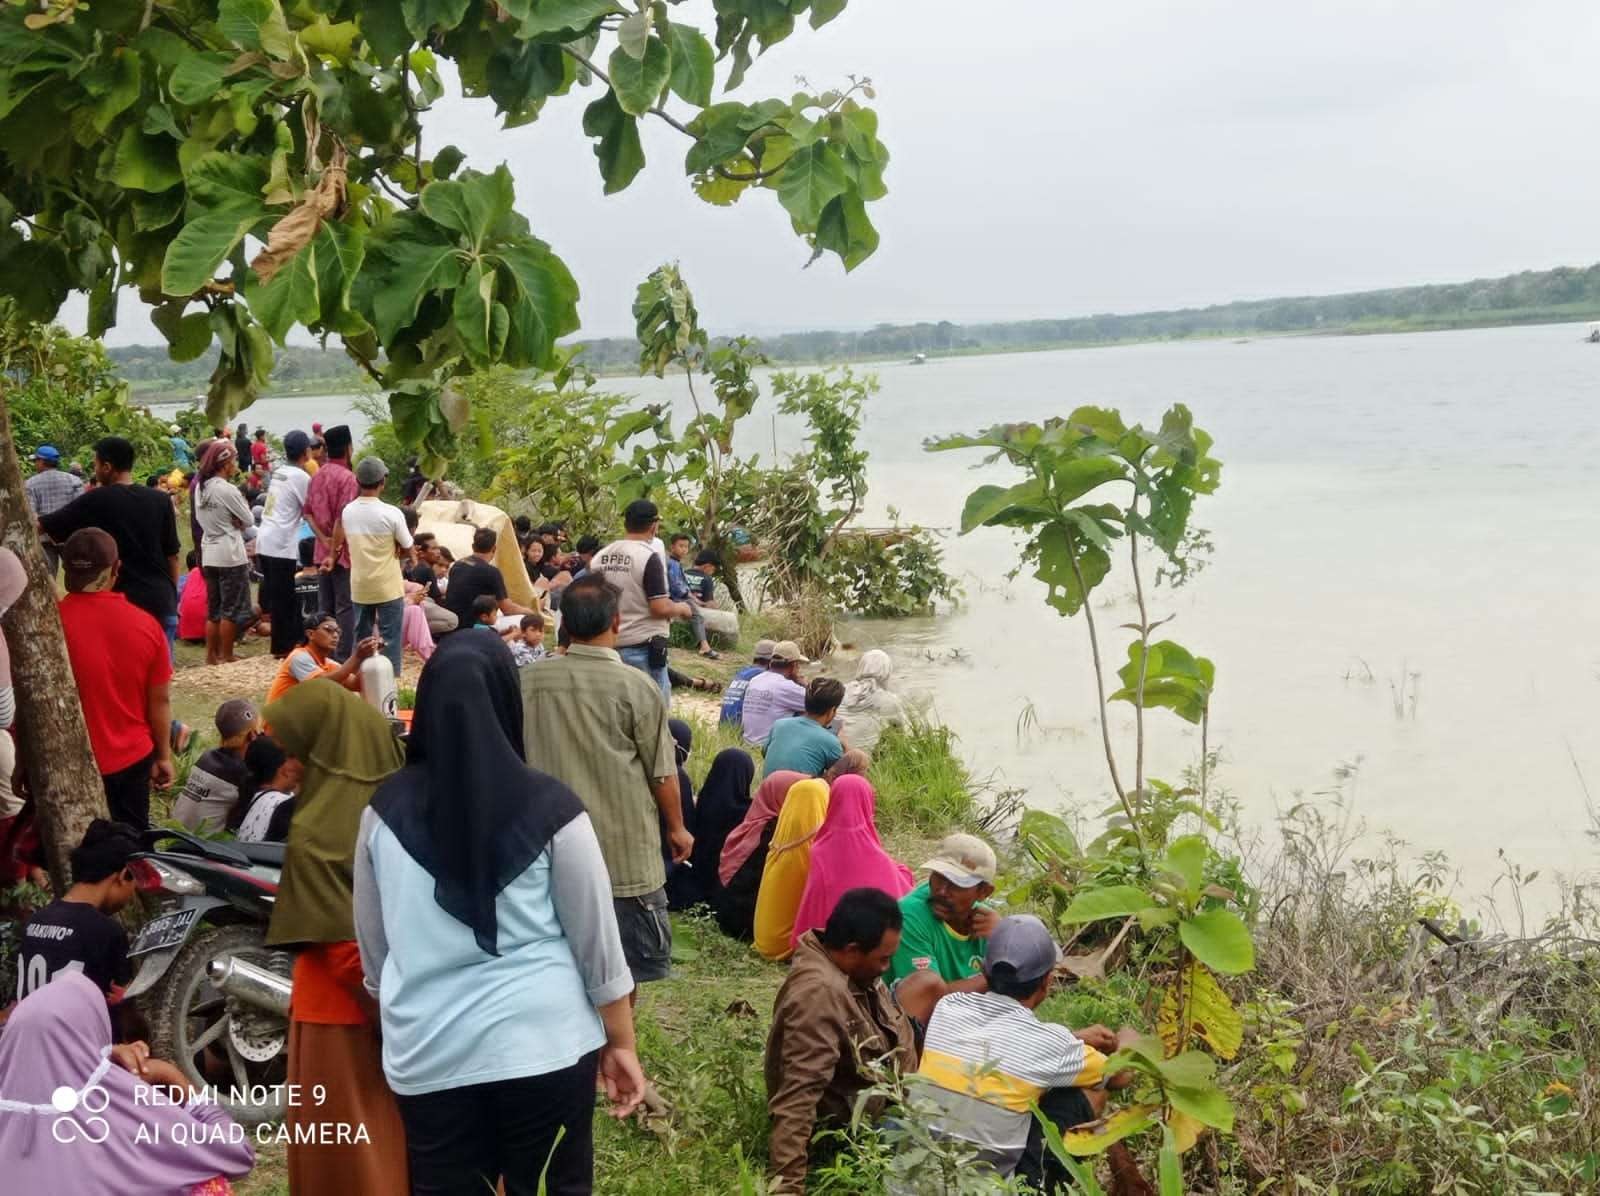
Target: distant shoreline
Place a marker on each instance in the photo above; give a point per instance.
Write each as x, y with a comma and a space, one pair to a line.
1457, 322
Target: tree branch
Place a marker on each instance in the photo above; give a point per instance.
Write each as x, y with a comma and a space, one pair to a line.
372, 370
1144, 665
414, 119
409, 201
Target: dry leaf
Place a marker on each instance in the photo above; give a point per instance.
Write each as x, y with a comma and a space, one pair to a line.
294, 232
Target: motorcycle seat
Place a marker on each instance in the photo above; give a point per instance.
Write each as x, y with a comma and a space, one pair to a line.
270, 854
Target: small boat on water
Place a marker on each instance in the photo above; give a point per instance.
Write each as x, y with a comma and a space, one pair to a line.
1594, 332
919, 359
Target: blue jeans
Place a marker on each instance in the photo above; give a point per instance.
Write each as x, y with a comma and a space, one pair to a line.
638, 656
390, 618
169, 624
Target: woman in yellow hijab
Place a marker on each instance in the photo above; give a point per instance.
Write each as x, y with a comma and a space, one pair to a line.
783, 880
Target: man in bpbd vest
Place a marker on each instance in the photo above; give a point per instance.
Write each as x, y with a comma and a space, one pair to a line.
636, 566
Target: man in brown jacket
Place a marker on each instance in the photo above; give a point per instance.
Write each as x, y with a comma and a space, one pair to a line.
833, 1015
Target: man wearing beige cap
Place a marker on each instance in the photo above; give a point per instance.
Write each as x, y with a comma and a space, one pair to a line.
775, 694
946, 930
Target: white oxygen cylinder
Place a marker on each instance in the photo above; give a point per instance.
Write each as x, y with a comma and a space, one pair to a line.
378, 685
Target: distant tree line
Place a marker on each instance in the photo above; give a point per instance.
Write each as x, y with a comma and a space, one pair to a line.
1533, 296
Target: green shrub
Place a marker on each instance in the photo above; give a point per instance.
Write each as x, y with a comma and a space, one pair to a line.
921, 783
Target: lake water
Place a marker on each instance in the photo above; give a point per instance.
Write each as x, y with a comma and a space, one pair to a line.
1405, 521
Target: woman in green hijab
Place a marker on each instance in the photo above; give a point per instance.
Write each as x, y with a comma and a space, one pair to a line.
346, 749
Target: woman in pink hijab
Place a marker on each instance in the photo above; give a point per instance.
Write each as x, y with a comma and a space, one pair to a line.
73, 1120
847, 854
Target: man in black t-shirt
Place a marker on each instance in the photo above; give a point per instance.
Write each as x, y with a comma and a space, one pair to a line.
140, 520
477, 575
77, 932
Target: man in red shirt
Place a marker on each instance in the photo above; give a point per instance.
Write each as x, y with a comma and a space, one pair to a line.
123, 672
332, 489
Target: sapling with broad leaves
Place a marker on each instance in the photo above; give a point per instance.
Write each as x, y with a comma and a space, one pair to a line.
1091, 487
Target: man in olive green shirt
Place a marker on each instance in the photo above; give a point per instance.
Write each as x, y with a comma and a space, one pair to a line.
600, 727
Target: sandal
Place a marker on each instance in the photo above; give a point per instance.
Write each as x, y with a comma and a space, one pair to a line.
711, 654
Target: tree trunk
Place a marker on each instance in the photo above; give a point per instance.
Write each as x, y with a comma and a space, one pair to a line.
52, 742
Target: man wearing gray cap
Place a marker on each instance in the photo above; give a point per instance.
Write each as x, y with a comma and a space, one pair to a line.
733, 696
989, 1059
377, 536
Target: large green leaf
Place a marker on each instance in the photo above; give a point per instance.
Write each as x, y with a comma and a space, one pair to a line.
521, 75
638, 82
199, 248
145, 163
115, 89
1056, 555
256, 25
823, 11
341, 249
36, 279
542, 17
291, 298
811, 179
620, 153
1047, 837
225, 203
693, 64
541, 299
845, 228
1186, 859
188, 336
473, 312
198, 78
1174, 678
1072, 479
407, 258
1219, 939
471, 205
1207, 1105
1112, 901
991, 504
423, 16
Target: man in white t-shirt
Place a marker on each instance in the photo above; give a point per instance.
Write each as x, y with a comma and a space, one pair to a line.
377, 535
278, 544
637, 568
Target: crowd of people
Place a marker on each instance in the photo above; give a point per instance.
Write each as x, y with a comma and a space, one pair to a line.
474, 899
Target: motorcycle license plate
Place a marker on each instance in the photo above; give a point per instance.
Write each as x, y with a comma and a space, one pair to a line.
166, 931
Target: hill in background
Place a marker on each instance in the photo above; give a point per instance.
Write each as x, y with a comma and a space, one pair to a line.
1531, 297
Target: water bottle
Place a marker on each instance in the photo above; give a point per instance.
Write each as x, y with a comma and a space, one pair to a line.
378, 685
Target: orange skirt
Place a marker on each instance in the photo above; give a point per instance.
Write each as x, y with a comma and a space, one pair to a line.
354, 1141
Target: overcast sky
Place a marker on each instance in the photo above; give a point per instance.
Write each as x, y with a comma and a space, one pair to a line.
1056, 159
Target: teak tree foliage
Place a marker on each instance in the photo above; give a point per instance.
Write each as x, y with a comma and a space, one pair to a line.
142, 143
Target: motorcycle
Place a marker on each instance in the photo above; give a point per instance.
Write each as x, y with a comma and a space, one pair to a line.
215, 995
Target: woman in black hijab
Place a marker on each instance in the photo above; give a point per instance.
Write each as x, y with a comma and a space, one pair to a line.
722, 804
483, 911
681, 884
